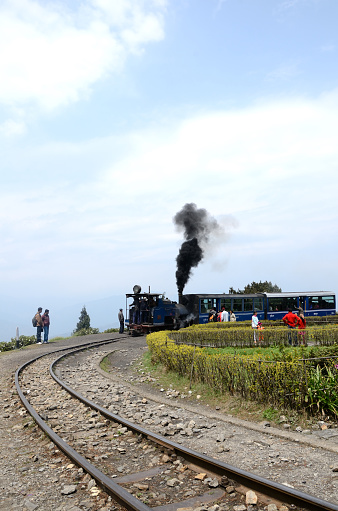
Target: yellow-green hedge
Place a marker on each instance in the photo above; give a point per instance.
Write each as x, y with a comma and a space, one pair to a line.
208, 335
276, 383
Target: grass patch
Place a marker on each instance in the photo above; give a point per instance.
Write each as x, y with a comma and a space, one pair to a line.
105, 364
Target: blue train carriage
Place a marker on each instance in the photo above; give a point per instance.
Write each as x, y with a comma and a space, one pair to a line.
243, 306
148, 312
316, 303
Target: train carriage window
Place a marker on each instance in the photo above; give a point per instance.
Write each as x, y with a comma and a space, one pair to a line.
290, 303
237, 304
206, 304
275, 304
226, 303
282, 303
321, 302
258, 304
248, 304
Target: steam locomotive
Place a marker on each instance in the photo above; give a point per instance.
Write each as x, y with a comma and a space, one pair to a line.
148, 312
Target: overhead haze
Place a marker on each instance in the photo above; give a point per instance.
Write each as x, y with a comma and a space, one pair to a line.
115, 114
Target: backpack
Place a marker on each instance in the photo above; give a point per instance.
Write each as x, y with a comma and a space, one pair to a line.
34, 321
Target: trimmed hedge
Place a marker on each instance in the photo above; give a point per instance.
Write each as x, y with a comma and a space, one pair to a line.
218, 336
284, 383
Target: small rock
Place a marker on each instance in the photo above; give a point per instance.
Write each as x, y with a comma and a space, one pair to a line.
213, 483
91, 484
250, 497
142, 487
172, 482
215, 507
202, 476
30, 505
272, 507
67, 490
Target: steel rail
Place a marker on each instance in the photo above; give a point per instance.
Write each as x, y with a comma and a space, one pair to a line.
260, 484
272, 489
119, 494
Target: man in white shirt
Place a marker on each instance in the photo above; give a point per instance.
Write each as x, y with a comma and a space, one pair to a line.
224, 315
254, 324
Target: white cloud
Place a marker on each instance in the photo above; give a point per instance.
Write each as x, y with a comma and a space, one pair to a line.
52, 56
12, 127
273, 167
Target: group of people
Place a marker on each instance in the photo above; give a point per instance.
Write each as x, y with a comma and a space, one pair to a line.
291, 320
42, 325
222, 315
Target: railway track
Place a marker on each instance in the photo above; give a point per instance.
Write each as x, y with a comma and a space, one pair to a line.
166, 475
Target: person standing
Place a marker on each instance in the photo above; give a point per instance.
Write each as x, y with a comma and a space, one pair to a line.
39, 325
232, 316
45, 324
121, 320
301, 328
225, 315
212, 315
291, 320
254, 325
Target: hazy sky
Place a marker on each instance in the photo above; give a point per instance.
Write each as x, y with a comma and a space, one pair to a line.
114, 114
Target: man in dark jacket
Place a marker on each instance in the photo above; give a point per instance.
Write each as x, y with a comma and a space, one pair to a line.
121, 320
45, 323
39, 325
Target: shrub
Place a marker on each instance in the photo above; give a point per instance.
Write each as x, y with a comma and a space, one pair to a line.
86, 331
24, 340
289, 381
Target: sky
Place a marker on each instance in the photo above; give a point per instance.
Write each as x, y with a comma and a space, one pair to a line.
114, 115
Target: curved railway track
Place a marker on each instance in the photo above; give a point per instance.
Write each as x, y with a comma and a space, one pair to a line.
157, 459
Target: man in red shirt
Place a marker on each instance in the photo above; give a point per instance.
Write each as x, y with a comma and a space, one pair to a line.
291, 320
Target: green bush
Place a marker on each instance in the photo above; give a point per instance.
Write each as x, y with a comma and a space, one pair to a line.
323, 390
24, 340
86, 331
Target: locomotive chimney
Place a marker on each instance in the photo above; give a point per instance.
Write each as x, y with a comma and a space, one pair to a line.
179, 297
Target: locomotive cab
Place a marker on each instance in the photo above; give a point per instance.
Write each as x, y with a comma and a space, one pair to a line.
148, 312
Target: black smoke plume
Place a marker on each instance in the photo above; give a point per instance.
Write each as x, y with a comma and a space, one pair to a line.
197, 226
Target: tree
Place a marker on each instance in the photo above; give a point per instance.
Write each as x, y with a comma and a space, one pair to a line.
257, 287
84, 320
